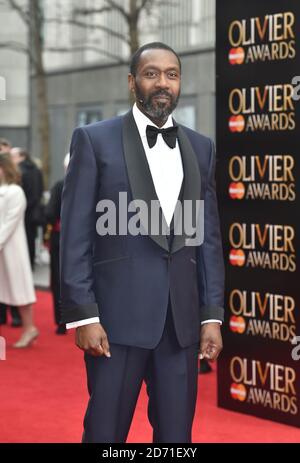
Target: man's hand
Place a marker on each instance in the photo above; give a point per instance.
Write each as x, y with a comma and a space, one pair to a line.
93, 340
210, 341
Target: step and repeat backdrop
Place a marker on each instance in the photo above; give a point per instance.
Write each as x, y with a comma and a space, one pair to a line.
258, 150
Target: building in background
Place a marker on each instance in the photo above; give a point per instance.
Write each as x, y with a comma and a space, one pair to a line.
87, 67
14, 111
183, 24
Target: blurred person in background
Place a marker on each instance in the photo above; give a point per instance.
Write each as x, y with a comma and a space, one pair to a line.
5, 147
204, 367
52, 236
32, 184
16, 281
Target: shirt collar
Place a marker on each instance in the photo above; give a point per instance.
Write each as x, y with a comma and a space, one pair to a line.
142, 121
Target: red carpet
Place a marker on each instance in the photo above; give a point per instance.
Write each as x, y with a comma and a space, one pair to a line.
43, 396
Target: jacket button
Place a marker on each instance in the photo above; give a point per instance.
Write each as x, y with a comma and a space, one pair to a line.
168, 257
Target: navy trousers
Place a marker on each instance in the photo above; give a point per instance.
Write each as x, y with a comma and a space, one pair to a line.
171, 376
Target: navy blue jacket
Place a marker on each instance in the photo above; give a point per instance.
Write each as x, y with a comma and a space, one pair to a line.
127, 280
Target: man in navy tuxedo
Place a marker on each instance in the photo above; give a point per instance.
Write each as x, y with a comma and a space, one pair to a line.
143, 304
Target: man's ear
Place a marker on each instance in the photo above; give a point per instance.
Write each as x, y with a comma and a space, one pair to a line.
131, 84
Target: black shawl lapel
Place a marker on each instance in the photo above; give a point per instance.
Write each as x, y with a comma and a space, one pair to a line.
191, 186
140, 178
141, 182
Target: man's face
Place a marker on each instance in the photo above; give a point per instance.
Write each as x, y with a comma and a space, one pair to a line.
157, 83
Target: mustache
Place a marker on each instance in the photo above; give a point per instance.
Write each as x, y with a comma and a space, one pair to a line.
161, 93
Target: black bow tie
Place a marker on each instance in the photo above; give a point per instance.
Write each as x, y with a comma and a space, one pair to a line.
169, 135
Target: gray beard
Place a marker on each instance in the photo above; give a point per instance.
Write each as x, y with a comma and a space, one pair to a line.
160, 112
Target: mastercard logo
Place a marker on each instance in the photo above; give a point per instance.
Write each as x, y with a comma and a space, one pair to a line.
236, 190
238, 392
237, 257
236, 123
236, 55
237, 324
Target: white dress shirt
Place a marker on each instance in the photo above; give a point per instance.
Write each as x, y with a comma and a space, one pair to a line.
166, 169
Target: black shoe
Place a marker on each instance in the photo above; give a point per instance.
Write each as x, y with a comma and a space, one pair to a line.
204, 367
61, 329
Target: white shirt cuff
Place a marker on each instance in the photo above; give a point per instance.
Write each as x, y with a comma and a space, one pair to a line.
211, 321
86, 321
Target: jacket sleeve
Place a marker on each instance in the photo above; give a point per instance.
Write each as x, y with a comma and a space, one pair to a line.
14, 212
78, 229
210, 253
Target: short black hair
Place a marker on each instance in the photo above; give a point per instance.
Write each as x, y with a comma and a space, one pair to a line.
135, 59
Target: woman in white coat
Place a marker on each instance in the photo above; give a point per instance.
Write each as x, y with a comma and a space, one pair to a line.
16, 281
